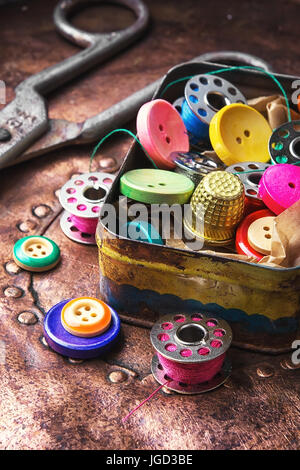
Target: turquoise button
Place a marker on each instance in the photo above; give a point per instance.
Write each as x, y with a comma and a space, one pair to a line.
141, 231
36, 253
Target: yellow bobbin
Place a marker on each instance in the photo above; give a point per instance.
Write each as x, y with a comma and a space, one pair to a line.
260, 235
86, 317
217, 207
239, 133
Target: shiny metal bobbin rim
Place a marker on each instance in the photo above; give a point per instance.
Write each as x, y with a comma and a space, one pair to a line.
195, 165
217, 206
207, 94
250, 174
175, 333
83, 195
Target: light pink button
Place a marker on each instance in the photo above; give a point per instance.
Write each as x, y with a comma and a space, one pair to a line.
161, 132
279, 187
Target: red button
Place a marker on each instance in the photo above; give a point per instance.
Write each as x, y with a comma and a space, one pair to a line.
161, 131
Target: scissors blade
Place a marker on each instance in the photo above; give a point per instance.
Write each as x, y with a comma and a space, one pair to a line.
62, 133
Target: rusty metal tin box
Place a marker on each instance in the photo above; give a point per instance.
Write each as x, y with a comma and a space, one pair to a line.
146, 280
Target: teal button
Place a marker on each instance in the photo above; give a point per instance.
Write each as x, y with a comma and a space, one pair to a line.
141, 231
36, 253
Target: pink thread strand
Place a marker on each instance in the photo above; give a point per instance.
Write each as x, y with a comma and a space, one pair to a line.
145, 401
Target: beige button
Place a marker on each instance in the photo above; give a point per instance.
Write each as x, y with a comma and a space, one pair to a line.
86, 317
260, 235
37, 247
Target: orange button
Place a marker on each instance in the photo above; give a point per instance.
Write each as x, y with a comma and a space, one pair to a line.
86, 317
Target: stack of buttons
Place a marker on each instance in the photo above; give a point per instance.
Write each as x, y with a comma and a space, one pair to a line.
81, 328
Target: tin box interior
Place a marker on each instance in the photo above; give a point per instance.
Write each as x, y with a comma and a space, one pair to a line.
145, 280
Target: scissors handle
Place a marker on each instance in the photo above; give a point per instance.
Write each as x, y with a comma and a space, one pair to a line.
99, 46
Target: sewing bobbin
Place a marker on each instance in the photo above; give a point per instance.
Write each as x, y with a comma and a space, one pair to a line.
191, 352
205, 95
195, 165
82, 197
284, 143
250, 174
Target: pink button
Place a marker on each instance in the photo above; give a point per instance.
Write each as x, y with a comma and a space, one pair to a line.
161, 132
279, 187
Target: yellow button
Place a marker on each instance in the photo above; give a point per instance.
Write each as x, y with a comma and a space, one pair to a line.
239, 133
260, 234
86, 317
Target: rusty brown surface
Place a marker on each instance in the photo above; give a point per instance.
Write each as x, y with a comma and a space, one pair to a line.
50, 402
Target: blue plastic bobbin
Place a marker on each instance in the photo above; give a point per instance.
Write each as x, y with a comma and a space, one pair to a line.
205, 95
141, 231
75, 346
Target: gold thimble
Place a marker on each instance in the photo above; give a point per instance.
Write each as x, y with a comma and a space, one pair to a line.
217, 207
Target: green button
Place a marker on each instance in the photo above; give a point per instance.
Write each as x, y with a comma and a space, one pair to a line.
156, 186
36, 253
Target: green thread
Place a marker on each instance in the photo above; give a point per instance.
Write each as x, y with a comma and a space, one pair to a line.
113, 132
241, 67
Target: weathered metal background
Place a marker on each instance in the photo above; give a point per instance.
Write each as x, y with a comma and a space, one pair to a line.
46, 401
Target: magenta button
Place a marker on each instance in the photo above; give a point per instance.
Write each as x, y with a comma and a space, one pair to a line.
279, 187
161, 132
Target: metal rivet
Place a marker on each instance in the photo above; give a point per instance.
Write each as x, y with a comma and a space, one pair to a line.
287, 364
41, 211
108, 164
27, 318
265, 371
75, 361
117, 376
5, 135
27, 226
12, 268
14, 292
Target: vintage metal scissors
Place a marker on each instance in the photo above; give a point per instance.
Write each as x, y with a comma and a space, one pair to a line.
26, 131
25, 119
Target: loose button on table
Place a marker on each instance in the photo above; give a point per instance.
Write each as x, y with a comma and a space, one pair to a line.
36, 253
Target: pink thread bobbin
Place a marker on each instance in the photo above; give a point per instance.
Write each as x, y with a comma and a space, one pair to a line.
82, 198
191, 352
